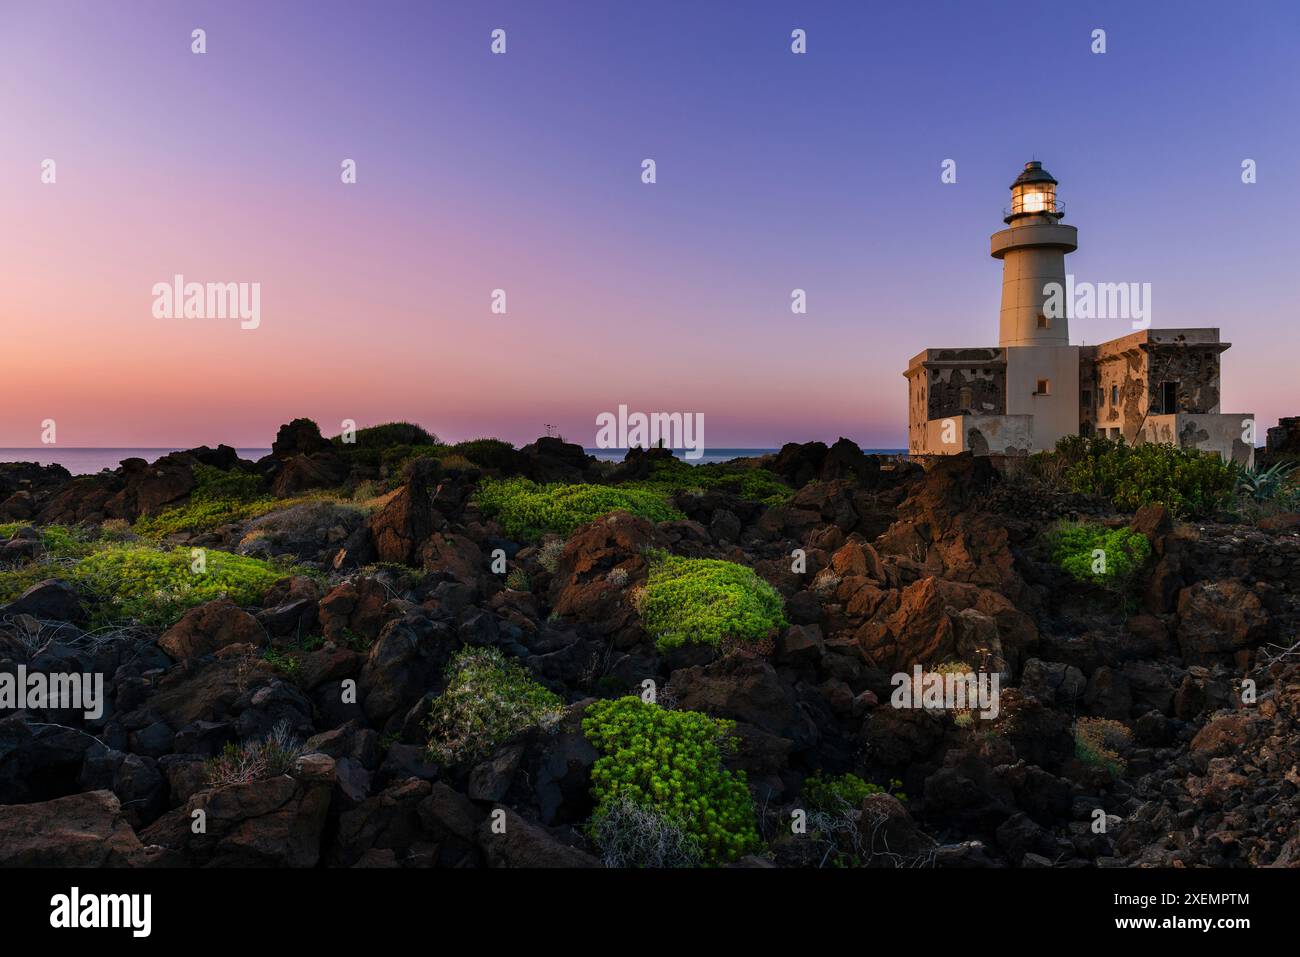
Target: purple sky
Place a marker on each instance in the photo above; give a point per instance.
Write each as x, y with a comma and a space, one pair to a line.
522, 172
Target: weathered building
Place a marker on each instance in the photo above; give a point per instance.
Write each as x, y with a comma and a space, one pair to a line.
1155, 385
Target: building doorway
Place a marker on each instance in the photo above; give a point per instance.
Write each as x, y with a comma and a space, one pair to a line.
1167, 397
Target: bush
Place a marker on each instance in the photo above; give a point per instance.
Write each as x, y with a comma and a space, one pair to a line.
254, 760
218, 498
1097, 741
1272, 484
706, 600
57, 541
15, 581
630, 835
489, 454
669, 763
155, 587
549, 554
1124, 554
671, 476
202, 515
488, 699
1188, 482
527, 510
387, 435
214, 484
846, 792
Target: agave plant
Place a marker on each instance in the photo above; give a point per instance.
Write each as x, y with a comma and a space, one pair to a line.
1265, 485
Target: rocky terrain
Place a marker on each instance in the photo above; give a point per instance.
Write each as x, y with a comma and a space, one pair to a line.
284, 719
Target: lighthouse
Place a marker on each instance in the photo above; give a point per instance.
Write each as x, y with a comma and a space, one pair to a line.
1034, 388
1032, 249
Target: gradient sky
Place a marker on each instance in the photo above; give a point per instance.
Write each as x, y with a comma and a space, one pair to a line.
522, 172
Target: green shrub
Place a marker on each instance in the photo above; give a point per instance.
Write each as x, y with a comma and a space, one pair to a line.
15, 581
1123, 553
387, 435
671, 476
527, 510
670, 762
283, 662
845, 792
203, 515
1098, 741
706, 600
218, 498
214, 484
489, 453
1188, 482
58, 541
488, 699
155, 587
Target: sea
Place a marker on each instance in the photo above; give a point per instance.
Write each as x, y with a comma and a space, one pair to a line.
91, 461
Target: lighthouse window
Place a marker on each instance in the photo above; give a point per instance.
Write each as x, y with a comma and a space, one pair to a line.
1044, 387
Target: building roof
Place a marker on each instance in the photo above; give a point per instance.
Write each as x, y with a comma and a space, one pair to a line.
1034, 173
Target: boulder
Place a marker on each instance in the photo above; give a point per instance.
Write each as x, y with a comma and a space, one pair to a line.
507, 840
1217, 619
402, 526
211, 626
405, 661
299, 437
52, 599
271, 822
936, 620
81, 830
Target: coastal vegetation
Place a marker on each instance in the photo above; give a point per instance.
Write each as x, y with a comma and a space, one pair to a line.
670, 763
529, 510
706, 601
488, 698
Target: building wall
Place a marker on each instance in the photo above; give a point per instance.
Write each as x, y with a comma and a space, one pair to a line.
980, 434
948, 382
1126, 375
1056, 414
1196, 370
975, 382
1122, 387
1205, 431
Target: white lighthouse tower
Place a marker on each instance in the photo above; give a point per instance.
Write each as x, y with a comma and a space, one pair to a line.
1042, 367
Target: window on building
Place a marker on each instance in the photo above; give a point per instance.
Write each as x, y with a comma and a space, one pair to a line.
1085, 400
1114, 395
1044, 387
1168, 397
965, 398
1043, 323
